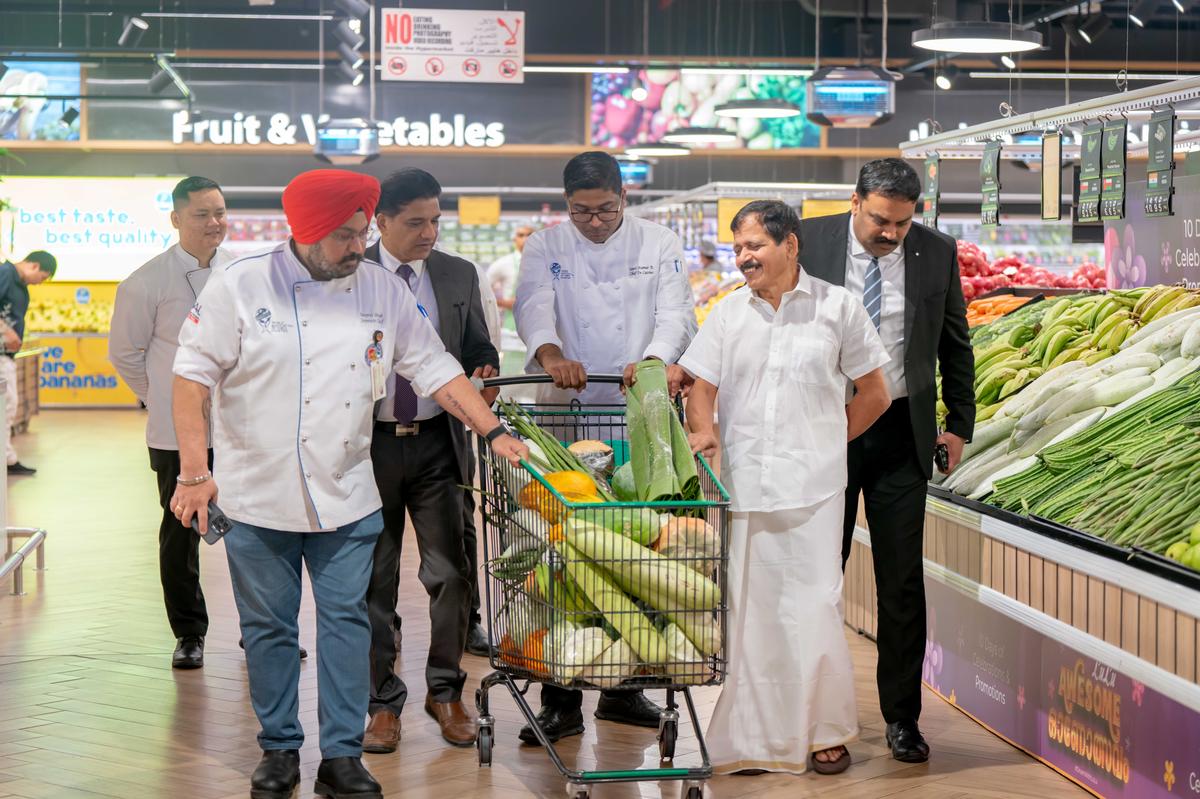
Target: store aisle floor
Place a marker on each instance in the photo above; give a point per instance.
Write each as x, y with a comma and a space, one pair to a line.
89, 706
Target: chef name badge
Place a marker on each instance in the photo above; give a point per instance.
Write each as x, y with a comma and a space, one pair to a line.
374, 358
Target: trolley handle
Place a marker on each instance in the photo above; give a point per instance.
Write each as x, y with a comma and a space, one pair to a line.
527, 380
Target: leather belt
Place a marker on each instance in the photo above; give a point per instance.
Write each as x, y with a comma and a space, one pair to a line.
412, 429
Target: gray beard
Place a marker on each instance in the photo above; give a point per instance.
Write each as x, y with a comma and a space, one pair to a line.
321, 269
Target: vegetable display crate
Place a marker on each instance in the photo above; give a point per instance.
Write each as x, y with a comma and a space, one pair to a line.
588, 594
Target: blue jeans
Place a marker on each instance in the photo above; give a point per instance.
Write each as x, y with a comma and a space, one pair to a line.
265, 569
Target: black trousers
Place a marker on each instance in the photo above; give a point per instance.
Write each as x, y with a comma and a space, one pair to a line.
885, 466
419, 474
470, 534
178, 553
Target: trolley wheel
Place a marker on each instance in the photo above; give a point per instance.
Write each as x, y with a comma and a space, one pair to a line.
694, 792
666, 740
483, 742
577, 791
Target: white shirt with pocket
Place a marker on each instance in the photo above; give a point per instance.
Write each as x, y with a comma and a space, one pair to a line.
891, 315
296, 366
605, 305
781, 378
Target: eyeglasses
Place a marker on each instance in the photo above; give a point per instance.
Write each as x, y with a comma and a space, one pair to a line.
343, 237
603, 216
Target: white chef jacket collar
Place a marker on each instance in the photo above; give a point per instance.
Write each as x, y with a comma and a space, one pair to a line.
392, 263
190, 261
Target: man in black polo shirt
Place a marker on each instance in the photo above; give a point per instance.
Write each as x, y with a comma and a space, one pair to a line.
15, 280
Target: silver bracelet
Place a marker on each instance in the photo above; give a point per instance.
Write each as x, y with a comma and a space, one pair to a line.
194, 481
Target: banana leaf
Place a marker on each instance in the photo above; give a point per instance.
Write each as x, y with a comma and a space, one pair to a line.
664, 469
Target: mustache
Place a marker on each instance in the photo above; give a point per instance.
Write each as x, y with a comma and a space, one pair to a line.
354, 259
749, 265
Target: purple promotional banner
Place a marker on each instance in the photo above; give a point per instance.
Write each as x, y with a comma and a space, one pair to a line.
1094, 724
1145, 251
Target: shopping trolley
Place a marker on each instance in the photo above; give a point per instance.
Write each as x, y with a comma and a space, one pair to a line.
572, 604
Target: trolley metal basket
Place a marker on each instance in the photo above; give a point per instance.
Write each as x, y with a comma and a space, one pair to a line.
587, 594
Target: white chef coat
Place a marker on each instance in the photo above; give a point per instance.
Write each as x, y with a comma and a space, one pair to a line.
605, 305
502, 275
781, 379
491, 309
287, 359
891, 315
151, 306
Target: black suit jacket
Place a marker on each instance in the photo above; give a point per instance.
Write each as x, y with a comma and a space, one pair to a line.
935, 322
461, 325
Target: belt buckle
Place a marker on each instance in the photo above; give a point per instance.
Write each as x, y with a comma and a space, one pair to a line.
407, 429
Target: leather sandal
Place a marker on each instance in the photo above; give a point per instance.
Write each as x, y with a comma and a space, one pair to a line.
836, 766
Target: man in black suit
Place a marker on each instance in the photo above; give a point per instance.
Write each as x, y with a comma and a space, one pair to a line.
907, 275
421, 458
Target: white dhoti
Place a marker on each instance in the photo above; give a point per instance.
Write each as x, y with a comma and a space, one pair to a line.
789, 689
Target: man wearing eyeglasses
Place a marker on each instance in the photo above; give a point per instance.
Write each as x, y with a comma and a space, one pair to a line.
594, 297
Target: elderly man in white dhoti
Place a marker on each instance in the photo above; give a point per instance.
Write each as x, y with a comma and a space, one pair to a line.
781, 353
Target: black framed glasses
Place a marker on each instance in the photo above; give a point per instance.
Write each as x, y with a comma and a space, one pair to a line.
603, 216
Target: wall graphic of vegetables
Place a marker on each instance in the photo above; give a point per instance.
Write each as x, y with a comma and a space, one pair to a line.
676, 100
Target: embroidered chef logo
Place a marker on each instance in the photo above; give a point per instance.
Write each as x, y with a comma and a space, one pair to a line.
559, 273
375, 351
194, 314
263, 317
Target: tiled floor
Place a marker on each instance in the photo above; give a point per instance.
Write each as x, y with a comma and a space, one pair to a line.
90, 708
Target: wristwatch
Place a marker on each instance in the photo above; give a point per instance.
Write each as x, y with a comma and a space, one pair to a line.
496, 432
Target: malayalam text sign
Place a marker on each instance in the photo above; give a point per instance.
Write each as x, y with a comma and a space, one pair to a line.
433, 44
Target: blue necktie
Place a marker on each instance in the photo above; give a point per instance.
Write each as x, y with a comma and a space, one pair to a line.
873, 292
404, 403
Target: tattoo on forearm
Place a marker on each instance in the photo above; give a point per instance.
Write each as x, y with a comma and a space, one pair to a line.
206, 409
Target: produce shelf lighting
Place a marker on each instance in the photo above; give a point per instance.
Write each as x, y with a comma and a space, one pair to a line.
976, 37
757, 109
698, 135
352, 58
661, 150
347, 36
350, 73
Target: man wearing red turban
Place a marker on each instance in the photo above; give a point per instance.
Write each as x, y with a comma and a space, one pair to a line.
286, 353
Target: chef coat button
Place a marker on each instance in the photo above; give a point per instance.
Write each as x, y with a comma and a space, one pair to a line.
303, 323
347, 403
349, 290
337, 476
297, 289
587, 324
303, 439
307, 400
353, 366
307, 475
307, 361
346, 442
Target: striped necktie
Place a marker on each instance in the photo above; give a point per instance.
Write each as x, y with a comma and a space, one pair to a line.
873, 292
404, 401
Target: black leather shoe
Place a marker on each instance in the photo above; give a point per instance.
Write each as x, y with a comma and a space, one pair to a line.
277, 775
556, 723
21, 469
346, 778
906, 742
477, 642
189, 652
628, 707
303, 651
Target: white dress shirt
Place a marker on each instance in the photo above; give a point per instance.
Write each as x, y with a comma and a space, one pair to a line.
151, 306
288, 359
427, 304
891, 317
605, 305
491, 309
781, 379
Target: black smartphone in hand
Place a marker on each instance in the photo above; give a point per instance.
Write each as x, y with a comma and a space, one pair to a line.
941, 456
218, 524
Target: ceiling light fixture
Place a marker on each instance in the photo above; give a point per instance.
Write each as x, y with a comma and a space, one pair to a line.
1136, 20
1007, 62
354, 8
976, 37
1153, 77
1179, 6
788, 73
165, 76
350, 73
347, 36
946, 77
69, 116
352, 58
698, 135
656, 150
757, 109
135, 28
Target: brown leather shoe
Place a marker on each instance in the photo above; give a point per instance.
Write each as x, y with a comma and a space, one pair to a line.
383, 733
458, 725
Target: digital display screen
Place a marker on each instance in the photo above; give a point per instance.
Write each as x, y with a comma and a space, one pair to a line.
1052, 176
1160, 163
989, 178
851, 97
1112, 170
1088, 209
636, 173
